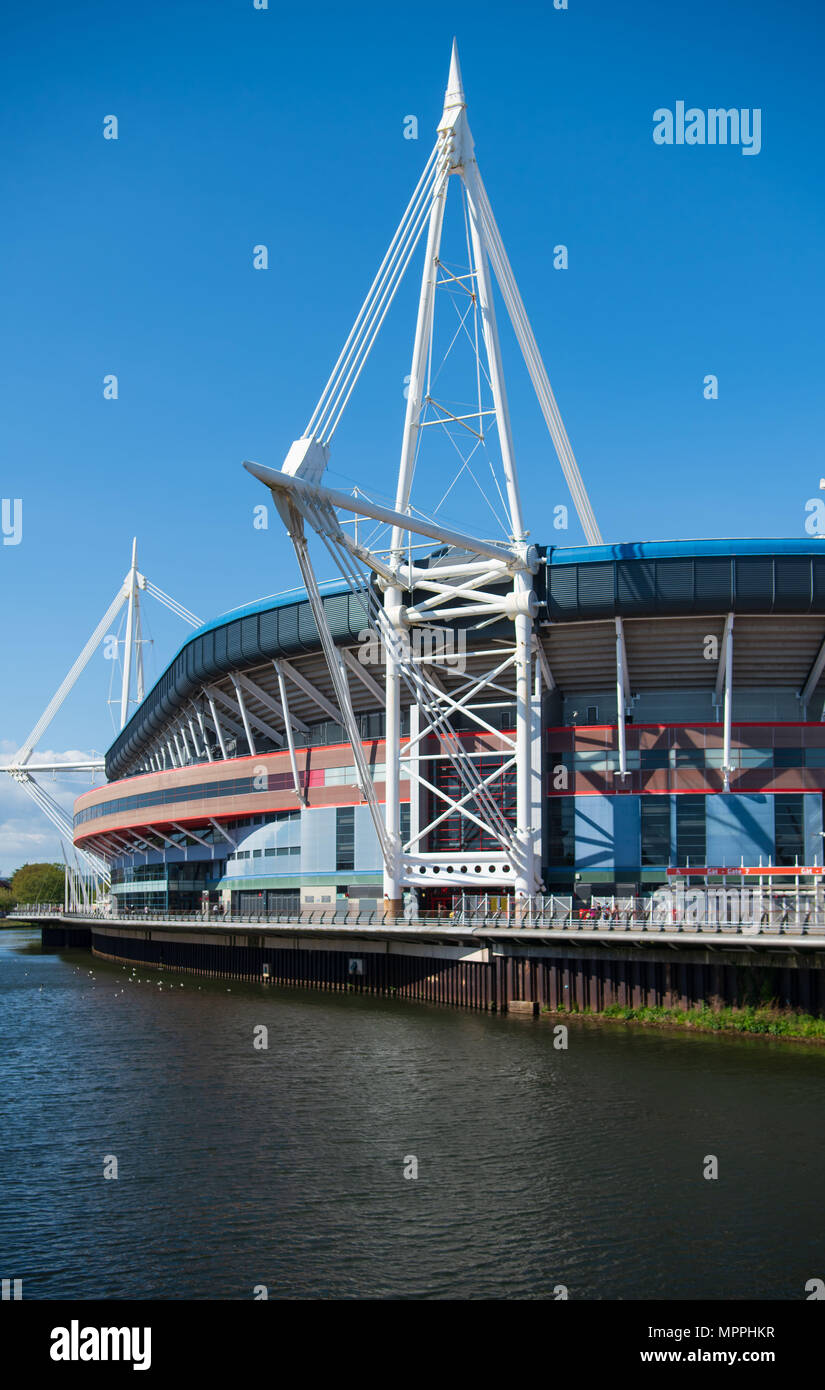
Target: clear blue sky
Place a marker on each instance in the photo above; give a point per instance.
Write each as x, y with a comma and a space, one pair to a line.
285, 127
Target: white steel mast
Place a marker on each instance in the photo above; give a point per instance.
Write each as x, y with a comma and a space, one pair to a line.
475, 579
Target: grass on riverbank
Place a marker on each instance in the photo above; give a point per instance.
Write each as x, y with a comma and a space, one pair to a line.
768, 1022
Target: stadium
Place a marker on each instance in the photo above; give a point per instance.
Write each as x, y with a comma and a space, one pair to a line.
681, 695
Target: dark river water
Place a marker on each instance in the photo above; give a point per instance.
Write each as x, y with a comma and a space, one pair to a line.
240, 1167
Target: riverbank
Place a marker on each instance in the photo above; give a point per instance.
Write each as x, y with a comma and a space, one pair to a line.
755, 1022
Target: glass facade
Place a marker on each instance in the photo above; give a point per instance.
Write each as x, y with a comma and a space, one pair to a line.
691, 835
561, 831
655, 831
789, 830
344, 838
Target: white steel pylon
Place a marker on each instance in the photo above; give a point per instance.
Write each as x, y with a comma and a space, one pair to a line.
20, 769
475, 581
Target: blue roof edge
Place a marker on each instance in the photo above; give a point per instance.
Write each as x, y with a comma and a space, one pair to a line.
687, 549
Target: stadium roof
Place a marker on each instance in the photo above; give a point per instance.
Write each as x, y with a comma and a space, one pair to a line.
690, 584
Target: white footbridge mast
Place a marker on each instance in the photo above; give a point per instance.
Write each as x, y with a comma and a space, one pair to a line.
87, 865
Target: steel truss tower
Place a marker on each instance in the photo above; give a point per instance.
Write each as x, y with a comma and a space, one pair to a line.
472, 581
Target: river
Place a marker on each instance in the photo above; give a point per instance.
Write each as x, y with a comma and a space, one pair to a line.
240, 1167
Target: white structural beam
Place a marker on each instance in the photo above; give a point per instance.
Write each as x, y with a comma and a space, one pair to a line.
231, 724
195, 744
93, 765
189, 753
217, 723
282, 483
270, 703
813, 679
362, 674
247, 728
271, 732
297, 784
723, 695
621, 696
204, 735
238, 706
299, 679
185, 830
543, 663
216, 825
173, 844
728, 710
132, 625
625, 666
721, 668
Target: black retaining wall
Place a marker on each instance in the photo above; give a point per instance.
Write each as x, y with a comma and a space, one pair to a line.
564, 980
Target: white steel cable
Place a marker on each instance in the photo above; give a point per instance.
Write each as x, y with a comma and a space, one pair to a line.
379, 277
172, 603
338, 406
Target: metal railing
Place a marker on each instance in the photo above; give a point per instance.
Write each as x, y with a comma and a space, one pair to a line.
35, 910
613, 917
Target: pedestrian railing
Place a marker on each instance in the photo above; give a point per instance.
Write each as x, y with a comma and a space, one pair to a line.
773, 922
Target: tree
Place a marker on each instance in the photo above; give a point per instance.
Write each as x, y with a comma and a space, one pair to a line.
38, 883
7, 900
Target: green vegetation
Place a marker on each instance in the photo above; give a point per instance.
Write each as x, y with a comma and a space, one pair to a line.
33, 883
766, 1020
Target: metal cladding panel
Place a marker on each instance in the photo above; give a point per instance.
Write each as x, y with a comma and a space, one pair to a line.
714, 586
675, 586
250, 642
818, 585
307, 630
563, 592
597, 590
288, 639
268, 633
636, 587
754, 586
195, 657
222, 662
208, 653
336, 609
358, 615
792, 585
234, 652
